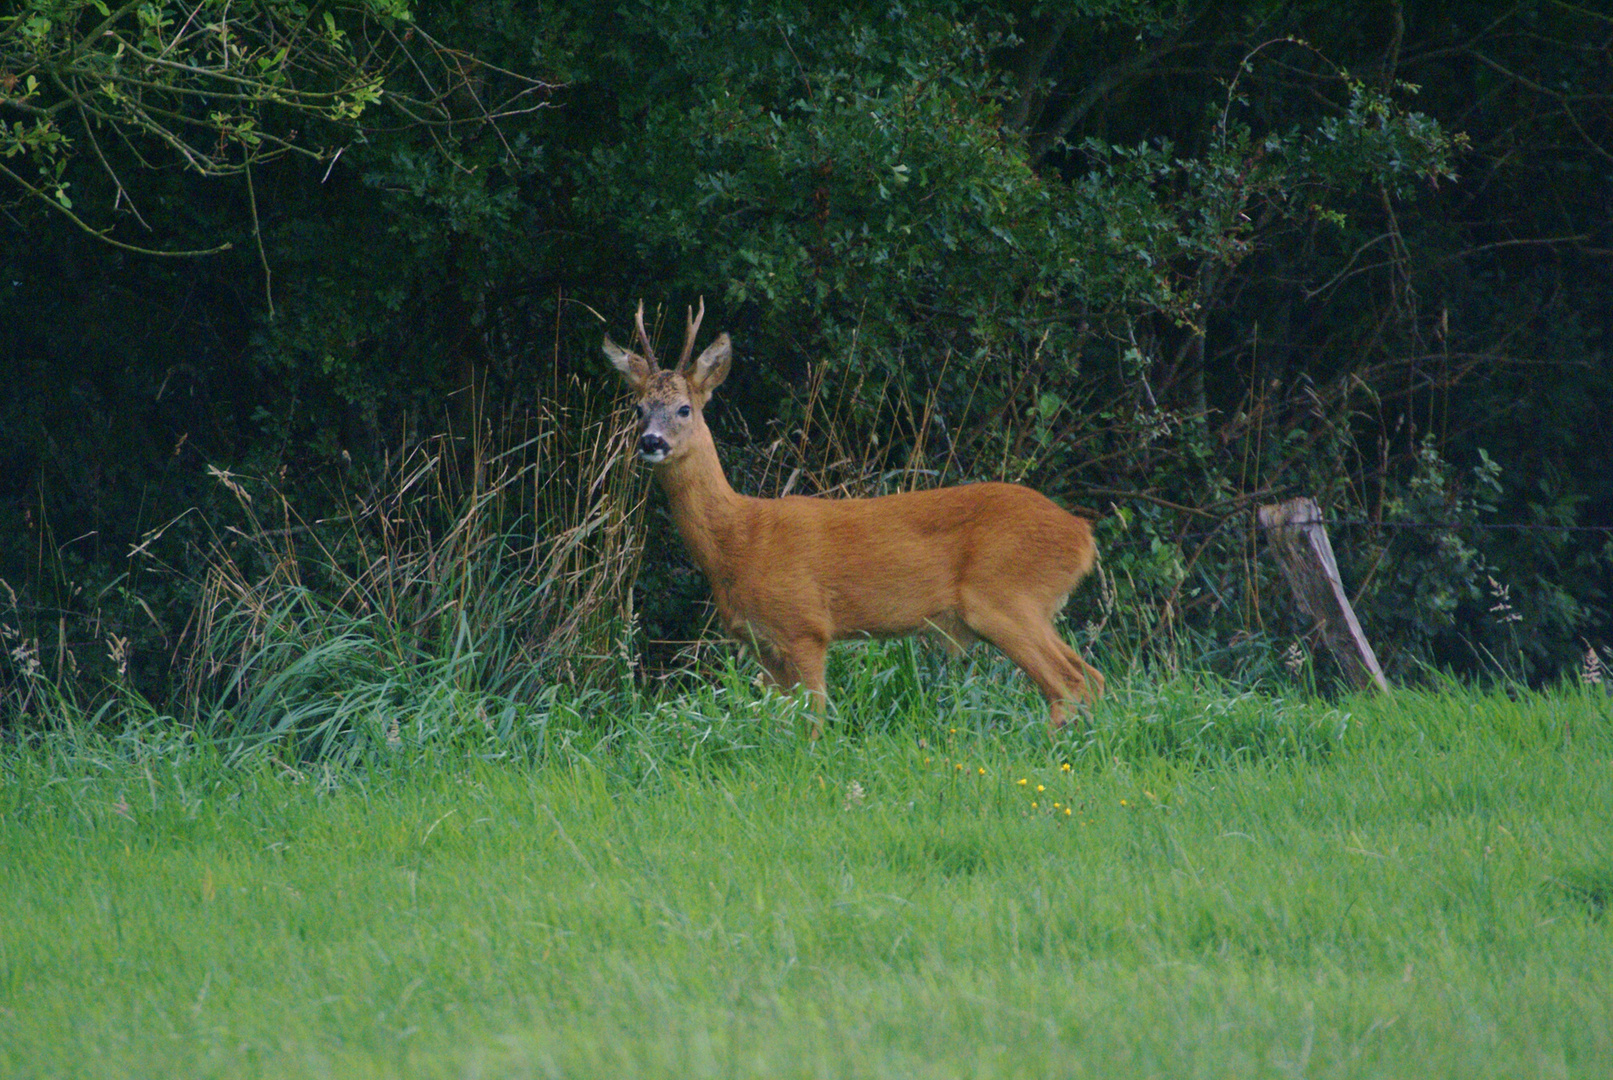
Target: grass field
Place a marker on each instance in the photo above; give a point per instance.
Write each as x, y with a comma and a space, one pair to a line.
1200, 883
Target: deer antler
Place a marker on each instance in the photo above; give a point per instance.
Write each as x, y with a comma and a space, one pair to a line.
688, 336
644, 339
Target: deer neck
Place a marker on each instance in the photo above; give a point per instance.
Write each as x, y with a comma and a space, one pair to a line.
704, 507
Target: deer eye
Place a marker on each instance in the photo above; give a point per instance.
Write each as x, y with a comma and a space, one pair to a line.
642, 409
683, 410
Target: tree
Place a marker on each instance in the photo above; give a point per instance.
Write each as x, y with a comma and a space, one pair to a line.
219, 87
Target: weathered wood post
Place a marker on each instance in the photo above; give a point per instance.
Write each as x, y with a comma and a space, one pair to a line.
1306, 557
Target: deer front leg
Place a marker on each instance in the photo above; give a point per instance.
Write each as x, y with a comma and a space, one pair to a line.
775, 670
799, 662
808, 656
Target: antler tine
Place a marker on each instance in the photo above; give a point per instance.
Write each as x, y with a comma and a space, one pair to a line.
644, 339
689, 334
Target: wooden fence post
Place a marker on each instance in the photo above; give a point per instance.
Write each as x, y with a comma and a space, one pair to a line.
1306, 557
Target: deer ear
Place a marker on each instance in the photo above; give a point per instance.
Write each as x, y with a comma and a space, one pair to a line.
634, 368
711, 367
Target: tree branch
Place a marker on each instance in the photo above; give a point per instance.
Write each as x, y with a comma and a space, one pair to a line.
101, 235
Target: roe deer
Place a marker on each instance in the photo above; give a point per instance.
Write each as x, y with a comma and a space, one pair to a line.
993, 561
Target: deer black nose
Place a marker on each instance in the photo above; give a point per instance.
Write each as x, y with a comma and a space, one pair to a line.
652, 445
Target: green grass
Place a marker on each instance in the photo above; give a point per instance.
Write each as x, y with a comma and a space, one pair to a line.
1218, 885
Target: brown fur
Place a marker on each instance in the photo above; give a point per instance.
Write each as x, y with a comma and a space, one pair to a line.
980, 561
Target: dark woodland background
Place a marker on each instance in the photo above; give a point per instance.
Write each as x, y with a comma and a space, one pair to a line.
1164, 261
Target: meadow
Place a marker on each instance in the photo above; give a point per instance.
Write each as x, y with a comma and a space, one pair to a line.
1192, 881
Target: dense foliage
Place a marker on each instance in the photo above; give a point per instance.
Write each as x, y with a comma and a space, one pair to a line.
1165, 261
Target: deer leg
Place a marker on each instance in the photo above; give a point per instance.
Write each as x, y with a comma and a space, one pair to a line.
1091, 677
800, 663
775, 673
809, 656
1029, 640
1086, 679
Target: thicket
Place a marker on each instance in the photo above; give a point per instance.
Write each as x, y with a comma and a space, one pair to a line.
352, 434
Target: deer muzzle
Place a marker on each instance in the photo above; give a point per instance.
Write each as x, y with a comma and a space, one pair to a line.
653, 448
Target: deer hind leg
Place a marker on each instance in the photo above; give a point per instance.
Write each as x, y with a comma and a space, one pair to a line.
1029, 640
1090, 676
1085, 681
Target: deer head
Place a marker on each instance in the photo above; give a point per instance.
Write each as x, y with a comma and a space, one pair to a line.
670, 403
